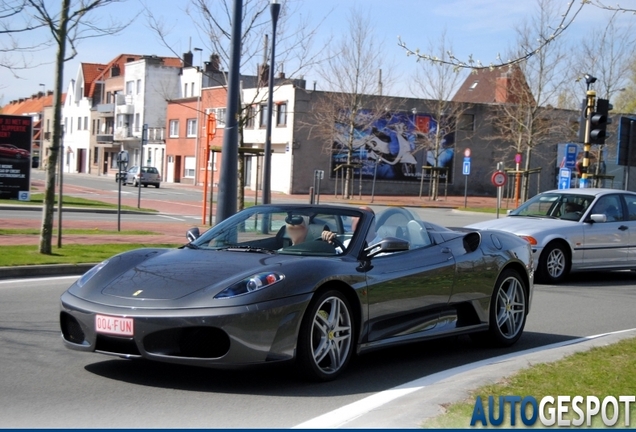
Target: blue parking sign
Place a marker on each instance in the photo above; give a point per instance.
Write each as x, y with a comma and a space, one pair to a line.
564, 178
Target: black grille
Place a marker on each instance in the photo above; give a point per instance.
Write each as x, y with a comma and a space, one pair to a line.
71, 329
196, 342
116, 345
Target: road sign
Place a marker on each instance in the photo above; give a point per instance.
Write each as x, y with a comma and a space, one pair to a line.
466, 166
518, 158
499, 178
571, 151
565, 174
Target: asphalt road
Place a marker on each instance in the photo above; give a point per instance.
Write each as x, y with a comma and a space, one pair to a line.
45, 385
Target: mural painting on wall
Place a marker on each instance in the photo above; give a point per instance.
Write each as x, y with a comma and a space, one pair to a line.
399, 143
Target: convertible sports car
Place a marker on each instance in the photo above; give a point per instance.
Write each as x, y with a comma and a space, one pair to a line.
575, 230
263, 286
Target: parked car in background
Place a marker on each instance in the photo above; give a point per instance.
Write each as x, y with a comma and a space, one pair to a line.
263, 286
149, 176
9, 150
574, 230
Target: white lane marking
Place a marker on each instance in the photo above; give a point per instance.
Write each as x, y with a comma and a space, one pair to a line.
171, 217
339, 417
42, 279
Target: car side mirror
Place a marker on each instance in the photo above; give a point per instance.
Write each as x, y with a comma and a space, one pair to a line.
387, 245
193, 234
599, 218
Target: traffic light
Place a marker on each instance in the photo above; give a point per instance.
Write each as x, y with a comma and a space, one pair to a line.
599, 121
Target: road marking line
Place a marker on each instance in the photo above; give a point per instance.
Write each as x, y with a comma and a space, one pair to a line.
42, 279
170, 217
340, 416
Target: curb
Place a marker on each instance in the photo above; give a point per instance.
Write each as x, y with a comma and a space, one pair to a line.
44, 270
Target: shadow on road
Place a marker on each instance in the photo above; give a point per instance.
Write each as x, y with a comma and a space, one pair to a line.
371, 372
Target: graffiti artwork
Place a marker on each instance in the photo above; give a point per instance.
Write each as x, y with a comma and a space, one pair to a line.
394, 146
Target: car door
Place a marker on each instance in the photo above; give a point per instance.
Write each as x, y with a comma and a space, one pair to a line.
407, 290
607, 244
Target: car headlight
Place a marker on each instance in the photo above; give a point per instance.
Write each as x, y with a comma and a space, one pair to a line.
251, 284
530, 239
89, 274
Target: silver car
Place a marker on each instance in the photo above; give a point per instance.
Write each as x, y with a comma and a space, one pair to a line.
149, 176
575, 230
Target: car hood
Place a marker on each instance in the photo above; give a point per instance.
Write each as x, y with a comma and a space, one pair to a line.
153, 275
523, 225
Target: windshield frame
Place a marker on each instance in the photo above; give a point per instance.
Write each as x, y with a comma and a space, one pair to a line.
555, 206
268, 241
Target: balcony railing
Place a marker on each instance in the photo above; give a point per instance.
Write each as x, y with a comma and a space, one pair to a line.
105, 138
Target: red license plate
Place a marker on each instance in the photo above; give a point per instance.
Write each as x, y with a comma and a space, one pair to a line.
114, 325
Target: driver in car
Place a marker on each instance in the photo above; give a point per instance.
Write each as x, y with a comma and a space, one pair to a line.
296, 227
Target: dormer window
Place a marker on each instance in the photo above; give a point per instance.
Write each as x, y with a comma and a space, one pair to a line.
473, 85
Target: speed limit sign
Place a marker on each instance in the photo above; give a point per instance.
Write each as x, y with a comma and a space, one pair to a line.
499, 178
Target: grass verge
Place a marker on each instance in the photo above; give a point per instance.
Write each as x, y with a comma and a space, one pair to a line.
601, 371
70, 254
38, 199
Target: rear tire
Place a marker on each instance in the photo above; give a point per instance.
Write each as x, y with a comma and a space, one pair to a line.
326, 338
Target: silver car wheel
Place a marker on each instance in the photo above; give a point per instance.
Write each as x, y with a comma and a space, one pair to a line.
555, 263
331, 335
510, 307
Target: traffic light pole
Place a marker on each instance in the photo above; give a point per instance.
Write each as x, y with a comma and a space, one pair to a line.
589, 110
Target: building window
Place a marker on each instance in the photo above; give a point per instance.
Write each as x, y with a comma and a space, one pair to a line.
189, 167
85, 123
136, 122
174, 128
96, 156
192, 89
263, 119
129, 87
138, 86
281, 114
79, 123
185, 90
249, 116
191, 130
220, 117
466, 122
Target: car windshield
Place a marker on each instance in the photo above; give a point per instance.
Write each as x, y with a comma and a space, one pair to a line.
555, 206
296, 230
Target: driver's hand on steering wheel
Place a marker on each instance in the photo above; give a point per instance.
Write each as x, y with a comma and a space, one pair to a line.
328, 236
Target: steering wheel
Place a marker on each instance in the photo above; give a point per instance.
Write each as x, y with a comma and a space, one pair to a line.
336, 241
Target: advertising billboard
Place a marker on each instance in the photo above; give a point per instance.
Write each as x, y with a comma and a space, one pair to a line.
15, 157
399, 143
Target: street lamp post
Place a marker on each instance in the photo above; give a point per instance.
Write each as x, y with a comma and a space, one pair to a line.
198, 140
267, 162
228, 182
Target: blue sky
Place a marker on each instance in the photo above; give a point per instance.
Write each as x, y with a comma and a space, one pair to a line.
482, 28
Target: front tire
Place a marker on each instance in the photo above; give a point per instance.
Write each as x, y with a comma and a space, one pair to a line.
554, 264
325, 341
508, 311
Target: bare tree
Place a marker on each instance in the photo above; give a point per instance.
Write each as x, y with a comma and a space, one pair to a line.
351, 73
607, 54
212, 19
65, 28
438, 82
626, 100
531, 49
526, 118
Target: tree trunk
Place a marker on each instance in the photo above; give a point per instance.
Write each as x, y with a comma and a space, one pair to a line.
46, 233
